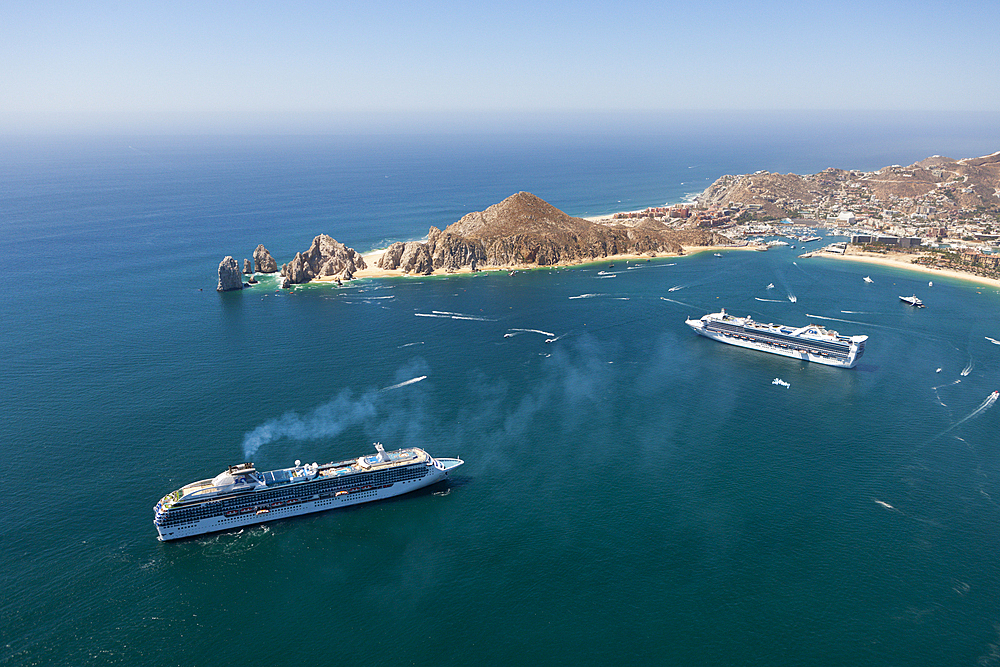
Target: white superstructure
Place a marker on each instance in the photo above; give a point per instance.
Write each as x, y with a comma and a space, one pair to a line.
243, 496
809, 343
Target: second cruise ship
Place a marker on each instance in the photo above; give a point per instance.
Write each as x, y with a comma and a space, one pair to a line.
809, 343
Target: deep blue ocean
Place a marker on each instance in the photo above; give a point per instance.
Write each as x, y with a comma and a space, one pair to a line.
632, 493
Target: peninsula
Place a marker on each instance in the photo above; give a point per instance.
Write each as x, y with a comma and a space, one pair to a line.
939, 212
521, 232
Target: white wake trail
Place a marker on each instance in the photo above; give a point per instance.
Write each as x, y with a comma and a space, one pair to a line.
454, 316
984, 406
516, 332
403, 384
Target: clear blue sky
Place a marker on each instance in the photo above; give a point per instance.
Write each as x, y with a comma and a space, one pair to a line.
291, 65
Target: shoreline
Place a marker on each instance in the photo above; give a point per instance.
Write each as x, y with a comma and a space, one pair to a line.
882, 260
374, 272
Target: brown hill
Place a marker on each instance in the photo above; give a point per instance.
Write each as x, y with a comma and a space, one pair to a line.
523, 213
524, 230
937, 181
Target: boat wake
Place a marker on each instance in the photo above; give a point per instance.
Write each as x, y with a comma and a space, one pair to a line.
780, 383
885, 504
586, 296
400, 347
679, 303
403, 384
770, 300
517, 332
455, 316
676, 287
983, 407
968, 368
792, 297
938, 396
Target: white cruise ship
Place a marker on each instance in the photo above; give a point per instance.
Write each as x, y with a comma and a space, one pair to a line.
809, 343
243, 496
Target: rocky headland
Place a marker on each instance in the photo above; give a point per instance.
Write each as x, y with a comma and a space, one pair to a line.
524, 231
325, 258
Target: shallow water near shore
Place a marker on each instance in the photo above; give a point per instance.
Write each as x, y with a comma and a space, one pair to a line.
631, 491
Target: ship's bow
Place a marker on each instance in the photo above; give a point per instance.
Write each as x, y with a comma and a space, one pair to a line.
449, 464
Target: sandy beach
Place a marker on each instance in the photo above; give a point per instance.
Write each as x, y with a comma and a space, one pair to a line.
371, 259
903, 262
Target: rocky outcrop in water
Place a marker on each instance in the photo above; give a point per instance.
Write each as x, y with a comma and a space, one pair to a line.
524, 230
325, 258
263, 262
248, 272
229, 275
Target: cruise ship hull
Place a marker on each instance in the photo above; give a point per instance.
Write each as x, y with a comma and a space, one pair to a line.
306, 500
778, 340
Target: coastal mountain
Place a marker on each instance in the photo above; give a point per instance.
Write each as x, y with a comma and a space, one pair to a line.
952, 185
524, 230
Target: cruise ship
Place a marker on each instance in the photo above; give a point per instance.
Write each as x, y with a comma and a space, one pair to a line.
809, 343
243, 496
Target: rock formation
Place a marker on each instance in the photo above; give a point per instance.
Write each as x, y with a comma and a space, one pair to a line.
248, 271
229, 275
262, 260
409, 257
325, 257
525, 230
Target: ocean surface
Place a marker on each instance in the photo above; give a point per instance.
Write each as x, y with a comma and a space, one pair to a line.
632, 493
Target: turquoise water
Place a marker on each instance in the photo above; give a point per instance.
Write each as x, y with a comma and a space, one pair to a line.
632, 491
